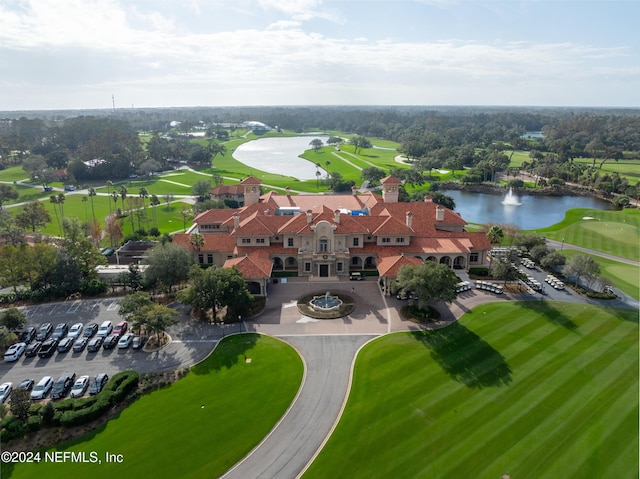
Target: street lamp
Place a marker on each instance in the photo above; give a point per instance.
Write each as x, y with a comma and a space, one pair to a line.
222, 326
562, 245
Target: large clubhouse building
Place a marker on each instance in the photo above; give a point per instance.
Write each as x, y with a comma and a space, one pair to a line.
326, 237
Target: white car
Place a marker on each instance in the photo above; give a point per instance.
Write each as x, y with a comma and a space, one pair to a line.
125, 341
14, 352
43, 387
5, 391
75, 331
105, 329
80, 387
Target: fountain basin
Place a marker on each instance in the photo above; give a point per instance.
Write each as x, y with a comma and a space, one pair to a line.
325, 303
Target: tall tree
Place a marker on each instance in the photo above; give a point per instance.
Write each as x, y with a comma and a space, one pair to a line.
431, 281
54, 201
168, 265
159, 319
582, 266
92, 193
7, 193
33, 216
316, 144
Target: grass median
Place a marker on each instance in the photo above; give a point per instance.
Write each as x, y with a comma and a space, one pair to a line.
529, 389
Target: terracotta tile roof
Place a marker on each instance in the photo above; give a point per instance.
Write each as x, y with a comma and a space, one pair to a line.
391, 180
392, 226
316, 203
391, 265
251, 180
251, 267
213, 242
227, 190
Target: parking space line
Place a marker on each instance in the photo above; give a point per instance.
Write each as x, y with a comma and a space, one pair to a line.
74, 307
113, 306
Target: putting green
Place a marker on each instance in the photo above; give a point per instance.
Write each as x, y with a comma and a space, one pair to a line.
622, 232
531, 389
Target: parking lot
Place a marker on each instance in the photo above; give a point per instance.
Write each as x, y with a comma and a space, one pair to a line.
191, 341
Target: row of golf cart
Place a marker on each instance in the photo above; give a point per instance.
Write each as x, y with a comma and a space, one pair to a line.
491, 287
555, 282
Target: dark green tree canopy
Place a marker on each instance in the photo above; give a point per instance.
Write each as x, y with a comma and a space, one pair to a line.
432, 282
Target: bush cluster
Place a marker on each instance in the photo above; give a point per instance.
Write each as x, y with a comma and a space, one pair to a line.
72, 412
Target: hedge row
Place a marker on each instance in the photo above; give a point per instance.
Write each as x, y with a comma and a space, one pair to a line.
72, 412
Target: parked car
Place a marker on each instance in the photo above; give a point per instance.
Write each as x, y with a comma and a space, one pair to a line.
61, 331
105, 329
110, 341
80, 344
5, 391
47, 348
125, 341
69, 188
65, 344
27, 335
26, 384
121, 328
43, 387
138, 342
95, 344
14, 352
44, 332
75, 331
356, 276
98, 383
80, 387
402, 295
47, 188
32, 349
62, 385
90, 331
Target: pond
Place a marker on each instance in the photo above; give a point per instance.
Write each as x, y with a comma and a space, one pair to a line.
280, 156
533, 211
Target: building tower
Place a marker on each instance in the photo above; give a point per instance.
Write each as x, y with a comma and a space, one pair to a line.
251, 190
390, 186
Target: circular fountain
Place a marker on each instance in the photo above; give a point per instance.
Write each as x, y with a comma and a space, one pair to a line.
326, 305
327, 302
510, 199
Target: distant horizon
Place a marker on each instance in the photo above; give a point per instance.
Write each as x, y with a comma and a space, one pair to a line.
76, 54
347, 106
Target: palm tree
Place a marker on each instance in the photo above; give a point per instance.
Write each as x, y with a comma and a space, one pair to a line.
92, 193
154, 202
196, 240
327, 163
86, 213
143, 195
61, 199
495, 235
54, 200
109, 185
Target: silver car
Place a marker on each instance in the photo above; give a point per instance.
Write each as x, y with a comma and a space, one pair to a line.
43, 387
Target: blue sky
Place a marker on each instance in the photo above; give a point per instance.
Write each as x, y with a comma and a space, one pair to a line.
152, 53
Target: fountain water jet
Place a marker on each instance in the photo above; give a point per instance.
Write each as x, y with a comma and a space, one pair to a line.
326, 302
510, 199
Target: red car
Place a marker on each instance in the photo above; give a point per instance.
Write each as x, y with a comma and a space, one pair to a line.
120, 328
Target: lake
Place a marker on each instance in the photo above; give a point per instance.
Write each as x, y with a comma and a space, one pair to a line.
280, 156
533, 212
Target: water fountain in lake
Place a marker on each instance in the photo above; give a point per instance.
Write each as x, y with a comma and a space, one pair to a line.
510, 199
325, 302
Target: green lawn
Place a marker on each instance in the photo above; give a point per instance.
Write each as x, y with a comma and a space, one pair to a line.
613, 232
198, 427
533, 389
620, 275
628, 168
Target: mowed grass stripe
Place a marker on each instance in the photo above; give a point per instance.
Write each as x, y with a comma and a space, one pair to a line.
622, 412
413, 444
542, 391
565, 425
555, 421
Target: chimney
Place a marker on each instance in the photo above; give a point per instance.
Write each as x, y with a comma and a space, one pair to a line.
428, 199
439, 213
409, 219
336, 216
236, 222
309, 217
354, 190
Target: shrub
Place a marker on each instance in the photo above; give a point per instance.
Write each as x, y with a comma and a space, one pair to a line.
94, 287
12, 428
479, 271
33, 423
47, 414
